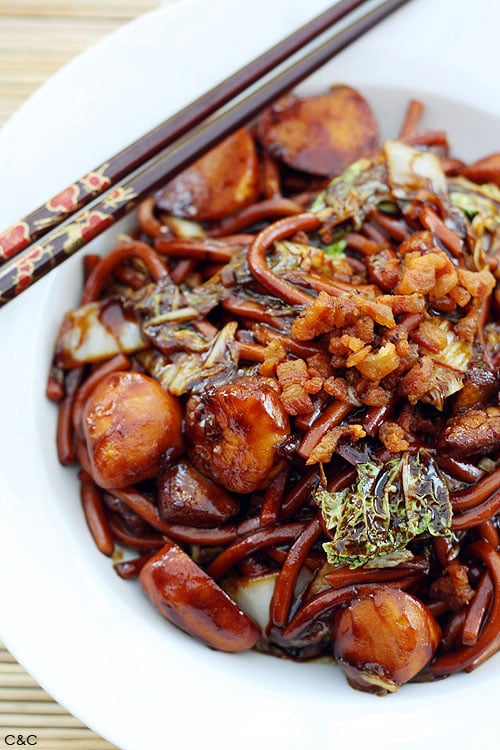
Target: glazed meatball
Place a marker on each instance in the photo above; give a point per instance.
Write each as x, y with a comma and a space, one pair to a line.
129, 423
234, 433
383, 640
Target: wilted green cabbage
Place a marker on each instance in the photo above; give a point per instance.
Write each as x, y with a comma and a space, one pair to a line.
389, 505
354, 193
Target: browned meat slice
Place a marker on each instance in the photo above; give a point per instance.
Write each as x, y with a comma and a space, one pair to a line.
484, 170
475, 433
480, 388
320, 134
223, 180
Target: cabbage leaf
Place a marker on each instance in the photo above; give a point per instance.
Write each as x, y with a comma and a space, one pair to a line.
387, 506
353, 194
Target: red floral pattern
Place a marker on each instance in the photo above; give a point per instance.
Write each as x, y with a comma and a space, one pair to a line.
39, 258
65, 201
118, 196
27, 264
69, 239
13, 239
95, 181
93, 224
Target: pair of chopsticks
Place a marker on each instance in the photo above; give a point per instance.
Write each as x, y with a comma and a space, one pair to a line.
56, 230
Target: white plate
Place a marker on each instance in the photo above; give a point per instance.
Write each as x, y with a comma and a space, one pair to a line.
90, 639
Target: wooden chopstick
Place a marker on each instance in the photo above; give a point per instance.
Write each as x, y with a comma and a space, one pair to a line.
35, 262
88, 187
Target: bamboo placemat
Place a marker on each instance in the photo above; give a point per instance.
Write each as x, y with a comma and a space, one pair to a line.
37, 38
27, 711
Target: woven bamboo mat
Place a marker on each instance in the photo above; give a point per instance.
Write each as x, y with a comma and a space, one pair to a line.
37, 38
28, 711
